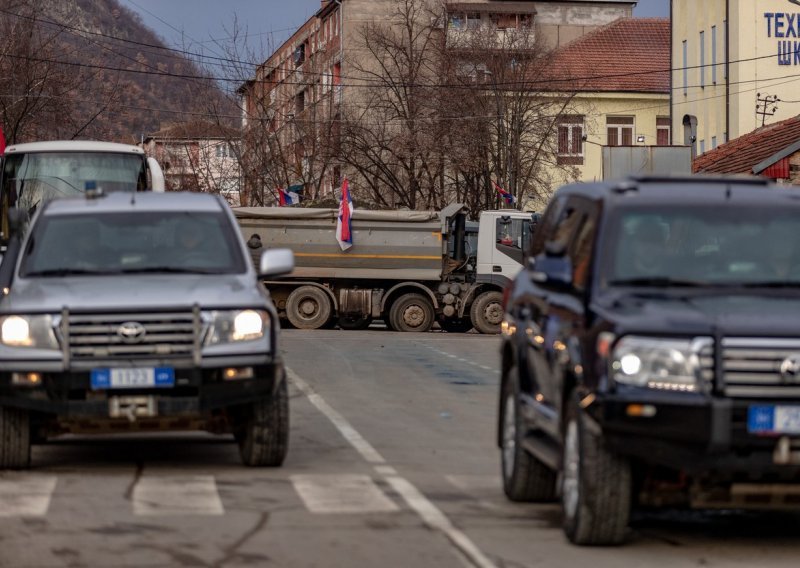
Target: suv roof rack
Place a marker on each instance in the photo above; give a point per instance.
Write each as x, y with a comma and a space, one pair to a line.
741, 180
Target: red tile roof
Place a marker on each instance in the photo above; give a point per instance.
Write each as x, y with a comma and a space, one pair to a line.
627, 55
740, 155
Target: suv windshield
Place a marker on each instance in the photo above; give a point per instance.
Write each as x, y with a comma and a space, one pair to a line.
703, 246
140, 242
31, 179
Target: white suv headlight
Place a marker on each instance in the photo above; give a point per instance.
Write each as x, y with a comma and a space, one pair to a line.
28, 331
665, 364
231, 326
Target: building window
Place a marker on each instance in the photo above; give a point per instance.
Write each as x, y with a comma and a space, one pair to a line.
473, 20
456, 22
620, 130
663, 131
714, 54
505, 21
702, 59
702, 146
300, 102
223, 150
570, 140
685, 68
300, 55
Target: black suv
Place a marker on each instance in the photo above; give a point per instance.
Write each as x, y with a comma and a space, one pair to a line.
651, 352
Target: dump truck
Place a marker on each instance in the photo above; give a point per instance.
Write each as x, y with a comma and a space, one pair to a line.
409, 268
32, 174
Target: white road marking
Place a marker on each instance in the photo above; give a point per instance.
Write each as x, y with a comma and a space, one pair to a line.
385, 470
427, 511
25, 495
160, 496
435, 519
350, 434
341, 494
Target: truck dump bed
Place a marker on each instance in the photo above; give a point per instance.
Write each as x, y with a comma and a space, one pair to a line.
390, 245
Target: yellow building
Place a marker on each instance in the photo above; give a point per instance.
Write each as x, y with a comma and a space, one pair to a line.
731, 59
619, 74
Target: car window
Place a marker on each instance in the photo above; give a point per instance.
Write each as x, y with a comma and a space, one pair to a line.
580, 251
133, 242
544, 230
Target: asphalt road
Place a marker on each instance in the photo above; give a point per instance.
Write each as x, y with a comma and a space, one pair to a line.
392, 464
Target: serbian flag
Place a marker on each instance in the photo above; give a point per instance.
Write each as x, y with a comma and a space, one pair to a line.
2, 142
344, 225
286, 197
507, 197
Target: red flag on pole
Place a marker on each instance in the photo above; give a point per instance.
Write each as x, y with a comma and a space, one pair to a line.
2, 142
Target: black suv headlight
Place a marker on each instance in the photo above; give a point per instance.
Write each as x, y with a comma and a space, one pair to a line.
664, 364
230, 326
28, 331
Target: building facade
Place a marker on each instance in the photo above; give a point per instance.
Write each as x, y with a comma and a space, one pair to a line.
305, 82
734, 67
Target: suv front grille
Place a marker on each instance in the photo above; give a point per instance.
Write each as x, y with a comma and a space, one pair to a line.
131, 336
752, 367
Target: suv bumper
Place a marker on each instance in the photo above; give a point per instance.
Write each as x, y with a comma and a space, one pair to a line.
197, 392
693, 433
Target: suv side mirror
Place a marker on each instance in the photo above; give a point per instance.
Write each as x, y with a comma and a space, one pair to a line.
552, 271
276, 262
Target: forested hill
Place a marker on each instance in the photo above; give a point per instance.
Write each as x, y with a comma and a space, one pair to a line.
92, 69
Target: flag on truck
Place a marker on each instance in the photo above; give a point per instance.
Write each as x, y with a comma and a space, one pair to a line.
287, 197
507, 197
344, 225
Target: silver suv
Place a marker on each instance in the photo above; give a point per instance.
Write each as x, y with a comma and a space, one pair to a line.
139, 312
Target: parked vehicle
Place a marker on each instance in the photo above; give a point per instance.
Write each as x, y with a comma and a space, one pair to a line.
32, 174
410, 268
139, 312
651, 352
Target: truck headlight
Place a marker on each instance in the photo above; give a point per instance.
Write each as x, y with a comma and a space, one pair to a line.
28, 331
664, 364
231, 326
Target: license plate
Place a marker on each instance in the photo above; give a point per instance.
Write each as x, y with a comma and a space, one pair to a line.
773, 419
158, 377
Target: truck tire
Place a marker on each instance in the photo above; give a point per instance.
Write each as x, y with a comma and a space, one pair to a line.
308, 307
525, 478
15, 438
486, 312
264, 437
596, 485
411, 312
354, 323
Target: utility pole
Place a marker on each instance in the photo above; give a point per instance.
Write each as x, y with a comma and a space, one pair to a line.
763, 107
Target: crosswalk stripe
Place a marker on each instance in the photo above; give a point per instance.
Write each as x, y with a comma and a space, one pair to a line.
162, 496
25, 495
342, 494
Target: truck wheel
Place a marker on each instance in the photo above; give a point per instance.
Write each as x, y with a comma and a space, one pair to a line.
412, 312
308, 307
264, 438
354, 323
15, 440
486, 312
525, 478
596, 485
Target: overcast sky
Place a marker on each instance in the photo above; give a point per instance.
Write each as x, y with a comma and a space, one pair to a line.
267, 22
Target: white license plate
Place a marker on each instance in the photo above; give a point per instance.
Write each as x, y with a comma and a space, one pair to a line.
773, 419
158, 377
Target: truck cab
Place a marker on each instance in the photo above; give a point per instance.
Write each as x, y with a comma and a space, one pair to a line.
503, 237
34, 173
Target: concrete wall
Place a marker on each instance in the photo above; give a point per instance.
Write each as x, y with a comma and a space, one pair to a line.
753, 67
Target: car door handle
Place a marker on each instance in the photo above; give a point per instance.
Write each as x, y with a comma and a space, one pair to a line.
496, 268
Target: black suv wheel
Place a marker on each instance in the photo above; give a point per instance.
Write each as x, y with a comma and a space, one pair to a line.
596, 485
525, 478
264, 436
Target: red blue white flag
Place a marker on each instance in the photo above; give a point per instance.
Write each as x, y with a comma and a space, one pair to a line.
507, 197
344, 225
286, 198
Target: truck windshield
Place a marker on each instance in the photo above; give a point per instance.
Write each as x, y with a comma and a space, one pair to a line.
703, 246
31, 179
130, 243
